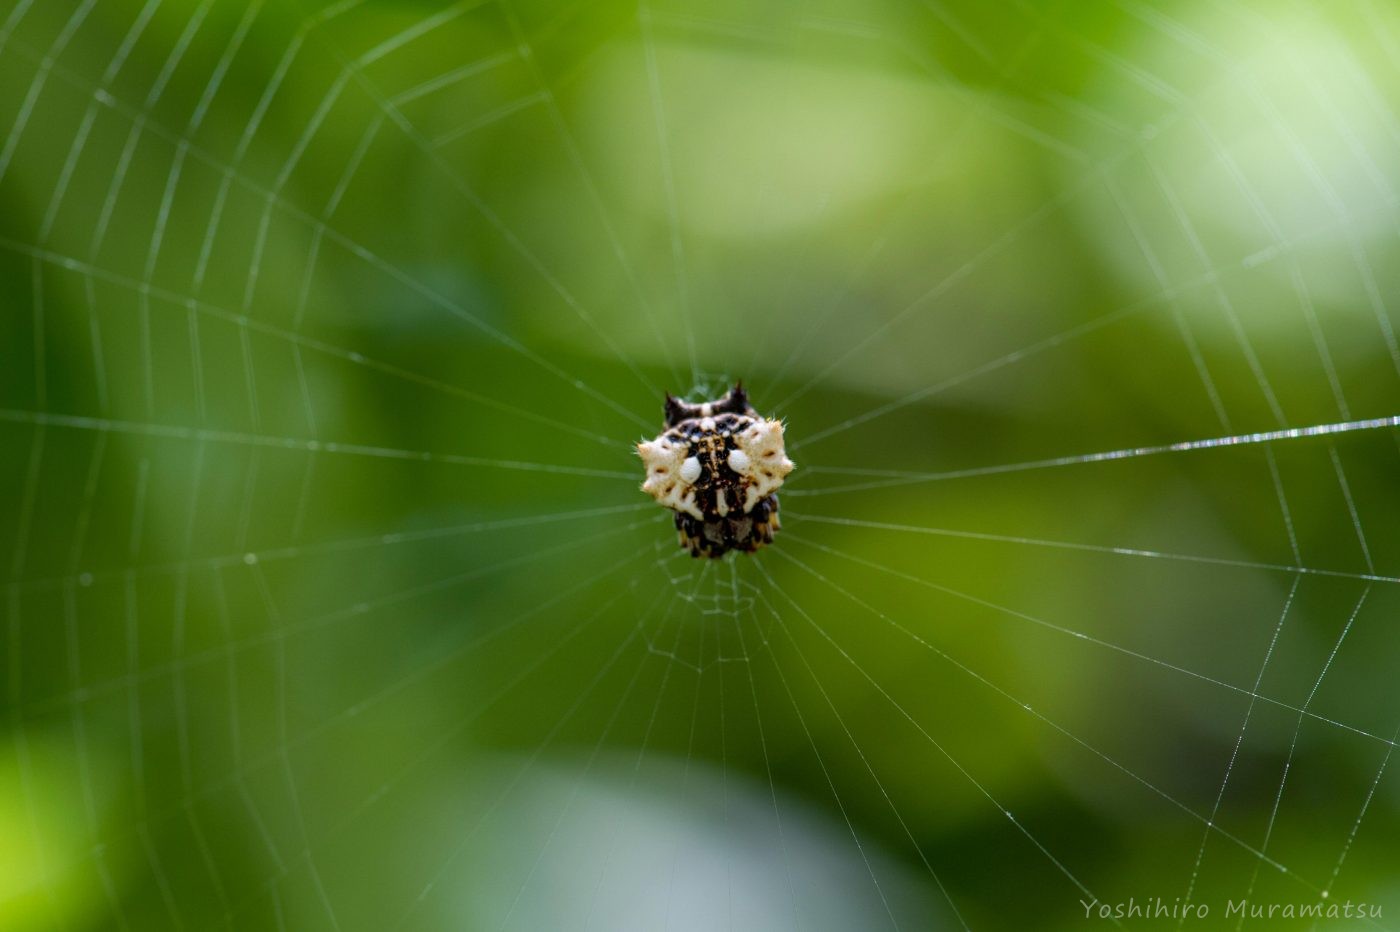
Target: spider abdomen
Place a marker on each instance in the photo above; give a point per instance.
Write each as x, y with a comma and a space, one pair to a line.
718, 465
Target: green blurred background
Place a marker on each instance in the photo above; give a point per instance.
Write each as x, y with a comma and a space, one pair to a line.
330, 600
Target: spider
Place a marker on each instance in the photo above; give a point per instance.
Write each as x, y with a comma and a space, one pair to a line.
717, 465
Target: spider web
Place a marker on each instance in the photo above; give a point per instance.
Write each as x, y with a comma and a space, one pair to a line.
330, 600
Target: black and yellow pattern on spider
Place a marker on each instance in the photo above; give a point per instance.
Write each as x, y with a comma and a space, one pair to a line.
718, 466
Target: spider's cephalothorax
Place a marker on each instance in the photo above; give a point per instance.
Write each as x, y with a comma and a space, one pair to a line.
717, 466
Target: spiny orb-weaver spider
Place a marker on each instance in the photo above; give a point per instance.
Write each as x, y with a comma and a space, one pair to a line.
717, 465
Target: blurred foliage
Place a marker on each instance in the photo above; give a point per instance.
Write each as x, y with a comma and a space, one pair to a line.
329, 598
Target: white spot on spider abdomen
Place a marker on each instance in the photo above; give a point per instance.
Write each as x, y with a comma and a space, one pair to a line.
666, 466
765, 459
690, 470
739, 462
